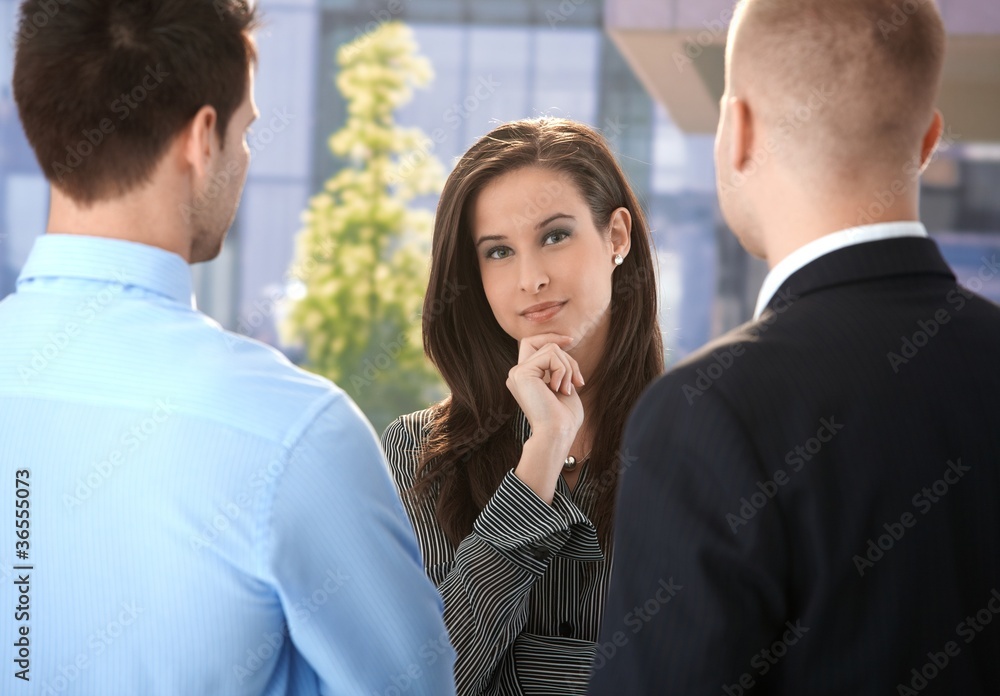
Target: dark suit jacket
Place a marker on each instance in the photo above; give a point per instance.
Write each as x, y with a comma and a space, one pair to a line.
811, 505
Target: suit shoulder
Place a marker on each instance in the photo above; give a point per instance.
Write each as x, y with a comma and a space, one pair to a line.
724, 351
763, 343
708, 377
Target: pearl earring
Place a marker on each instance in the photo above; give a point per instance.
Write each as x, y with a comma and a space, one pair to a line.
619, 259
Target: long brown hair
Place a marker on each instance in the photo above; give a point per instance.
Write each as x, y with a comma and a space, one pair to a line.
473, 438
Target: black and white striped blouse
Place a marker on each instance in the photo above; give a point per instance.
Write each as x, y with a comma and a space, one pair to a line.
524, 592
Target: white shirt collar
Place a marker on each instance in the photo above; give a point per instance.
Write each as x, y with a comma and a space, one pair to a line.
824, 245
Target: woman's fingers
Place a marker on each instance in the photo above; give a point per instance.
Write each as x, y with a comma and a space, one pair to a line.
560, 368
551, 365
577, 374
572, 374
565, 373
532, 344
547, 354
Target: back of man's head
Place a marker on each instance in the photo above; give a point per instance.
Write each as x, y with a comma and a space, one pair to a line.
848, 83
103, 86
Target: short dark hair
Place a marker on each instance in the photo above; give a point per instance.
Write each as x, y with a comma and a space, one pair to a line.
103, 86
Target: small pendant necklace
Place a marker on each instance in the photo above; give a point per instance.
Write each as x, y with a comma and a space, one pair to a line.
571, 462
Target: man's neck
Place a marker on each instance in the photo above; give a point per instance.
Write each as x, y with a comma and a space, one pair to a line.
136, 218
790, 234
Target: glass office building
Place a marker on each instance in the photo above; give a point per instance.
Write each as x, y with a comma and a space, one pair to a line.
494, 60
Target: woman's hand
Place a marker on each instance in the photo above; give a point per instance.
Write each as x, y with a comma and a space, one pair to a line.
544, 382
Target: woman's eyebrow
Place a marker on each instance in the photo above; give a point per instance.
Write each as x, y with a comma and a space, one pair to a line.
540, 225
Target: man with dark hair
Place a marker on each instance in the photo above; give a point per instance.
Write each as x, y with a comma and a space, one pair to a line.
819, 488
192, 513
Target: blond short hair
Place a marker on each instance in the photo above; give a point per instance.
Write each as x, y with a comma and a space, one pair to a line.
847, 81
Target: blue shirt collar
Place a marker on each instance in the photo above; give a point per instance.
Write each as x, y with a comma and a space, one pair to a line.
110, 260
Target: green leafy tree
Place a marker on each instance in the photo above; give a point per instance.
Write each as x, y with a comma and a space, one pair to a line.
363, 255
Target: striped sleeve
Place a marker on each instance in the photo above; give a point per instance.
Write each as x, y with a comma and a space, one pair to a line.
485, 583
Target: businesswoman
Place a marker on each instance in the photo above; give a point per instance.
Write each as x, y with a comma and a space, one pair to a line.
541, 316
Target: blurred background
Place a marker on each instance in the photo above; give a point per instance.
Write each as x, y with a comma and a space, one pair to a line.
647, 73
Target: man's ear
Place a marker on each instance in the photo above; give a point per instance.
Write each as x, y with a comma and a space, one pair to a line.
931, 139
202, 142
741, 133
621, 231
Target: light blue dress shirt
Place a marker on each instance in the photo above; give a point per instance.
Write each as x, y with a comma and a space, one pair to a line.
203, 517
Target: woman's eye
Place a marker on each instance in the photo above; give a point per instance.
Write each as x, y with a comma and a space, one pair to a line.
556, 236
498, 253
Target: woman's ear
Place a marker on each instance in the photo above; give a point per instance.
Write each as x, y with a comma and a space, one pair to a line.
621, 231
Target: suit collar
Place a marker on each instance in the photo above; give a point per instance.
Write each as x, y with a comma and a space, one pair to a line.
807, 253
861, 262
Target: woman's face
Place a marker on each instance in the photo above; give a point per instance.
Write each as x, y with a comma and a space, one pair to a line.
545, 267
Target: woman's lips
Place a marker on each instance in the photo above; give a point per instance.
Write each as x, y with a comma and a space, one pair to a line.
543, 312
